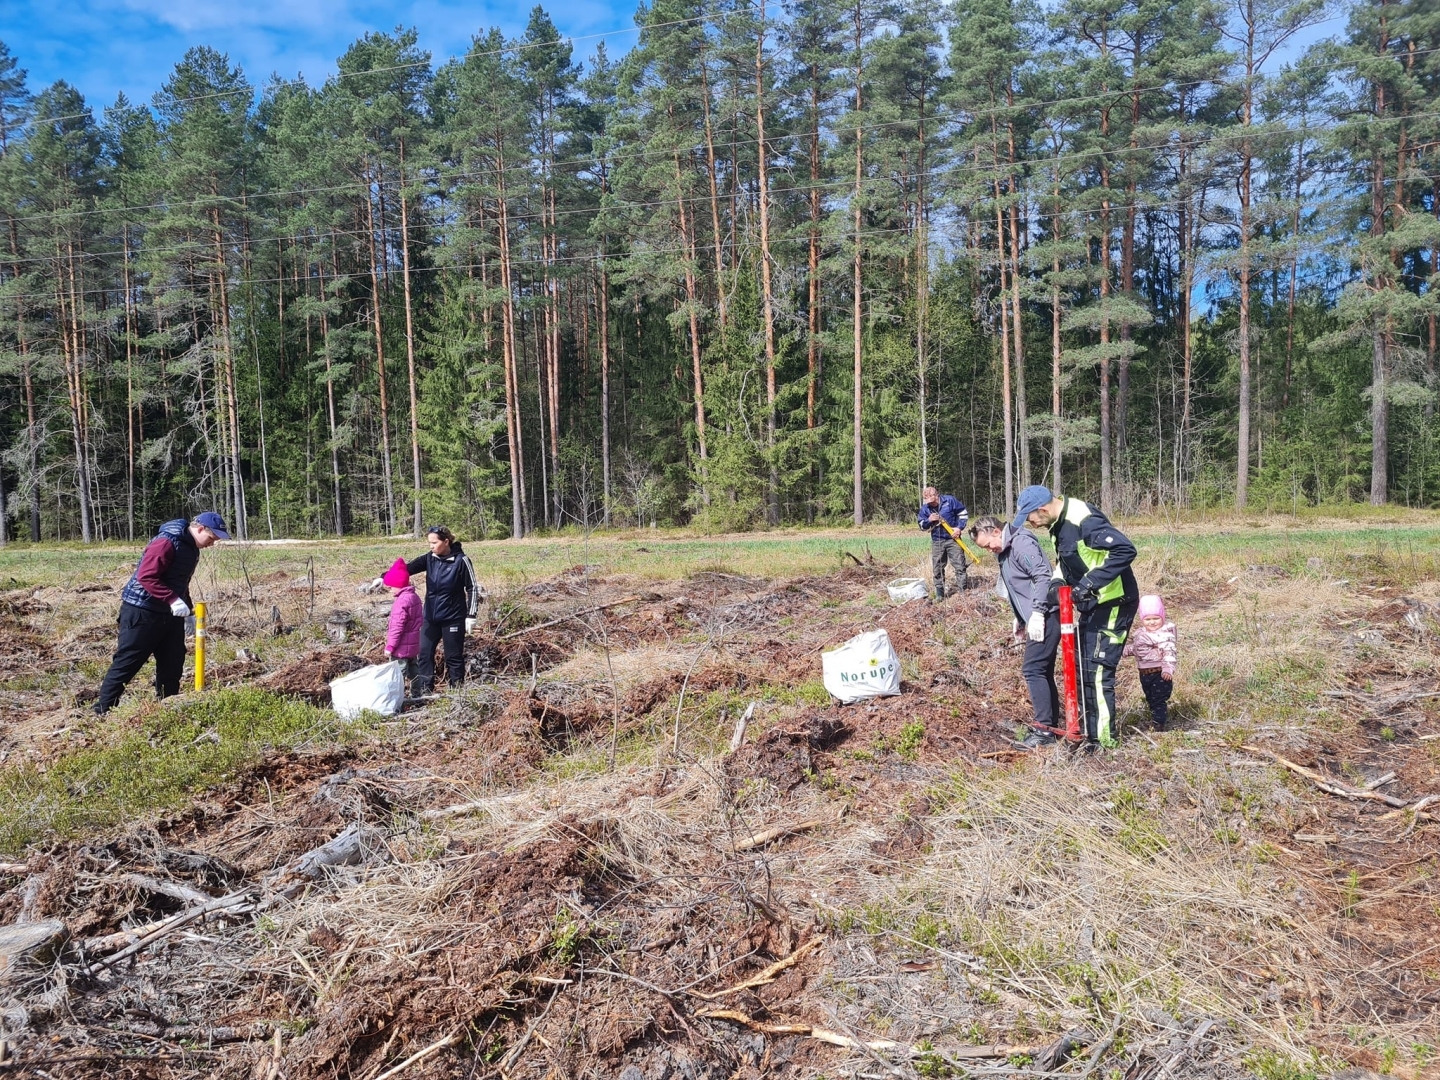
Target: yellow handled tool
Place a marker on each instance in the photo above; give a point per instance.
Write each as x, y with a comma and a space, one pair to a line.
963, 546
200, 635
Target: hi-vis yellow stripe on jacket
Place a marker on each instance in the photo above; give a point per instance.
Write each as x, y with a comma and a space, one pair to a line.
1090, 551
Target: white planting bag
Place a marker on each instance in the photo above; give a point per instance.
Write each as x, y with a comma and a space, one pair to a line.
378, 688
907, 588
864, 667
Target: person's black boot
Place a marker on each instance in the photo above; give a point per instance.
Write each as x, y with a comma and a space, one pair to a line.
1037, 739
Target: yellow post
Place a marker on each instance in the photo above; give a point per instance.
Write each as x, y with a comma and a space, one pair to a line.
200, 646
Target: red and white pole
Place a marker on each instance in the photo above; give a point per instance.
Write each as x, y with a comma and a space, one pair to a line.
1067, 667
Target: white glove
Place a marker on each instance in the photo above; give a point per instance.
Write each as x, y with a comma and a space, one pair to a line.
377, 584
469, 627
1035, 627
179, 607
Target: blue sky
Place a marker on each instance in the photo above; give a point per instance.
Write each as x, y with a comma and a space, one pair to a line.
107, 46
104, 47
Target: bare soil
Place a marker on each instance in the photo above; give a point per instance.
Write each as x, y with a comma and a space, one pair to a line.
518, 920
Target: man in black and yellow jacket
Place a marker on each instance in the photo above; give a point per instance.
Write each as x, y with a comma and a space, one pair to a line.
1093, 558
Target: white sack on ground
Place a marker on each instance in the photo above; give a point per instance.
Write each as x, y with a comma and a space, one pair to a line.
864, 667
903, 589
379, 688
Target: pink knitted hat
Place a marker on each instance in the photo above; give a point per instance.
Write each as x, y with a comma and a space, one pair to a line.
397, 577
1151, 605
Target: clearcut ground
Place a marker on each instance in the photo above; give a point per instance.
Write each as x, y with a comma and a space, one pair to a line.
568, 872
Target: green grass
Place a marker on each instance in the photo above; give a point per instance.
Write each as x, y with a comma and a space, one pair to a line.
1357, 542
174, 753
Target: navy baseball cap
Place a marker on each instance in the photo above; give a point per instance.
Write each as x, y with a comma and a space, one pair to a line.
1030, 500
215, 523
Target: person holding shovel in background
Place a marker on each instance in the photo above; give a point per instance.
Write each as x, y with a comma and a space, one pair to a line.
1093, 558
945, 516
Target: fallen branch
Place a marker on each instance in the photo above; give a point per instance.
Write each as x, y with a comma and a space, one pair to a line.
1194, 1041
769, 975
489, 806
173, 889
737, 737
1324, 783
420, 1055
1101, 1049
345, 849
760, 839
14, 868
236, 903
567, 618
834, 1038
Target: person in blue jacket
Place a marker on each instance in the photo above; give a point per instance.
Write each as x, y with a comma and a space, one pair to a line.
937, 511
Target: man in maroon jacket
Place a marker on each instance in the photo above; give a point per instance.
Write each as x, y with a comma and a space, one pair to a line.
153, 607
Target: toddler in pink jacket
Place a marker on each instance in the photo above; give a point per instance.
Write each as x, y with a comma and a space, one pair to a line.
1152, 642
402, 639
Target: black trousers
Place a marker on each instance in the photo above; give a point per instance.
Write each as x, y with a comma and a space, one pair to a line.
142, 634
1157, 693
945, 550
452, 635
1102, 639
1038, 668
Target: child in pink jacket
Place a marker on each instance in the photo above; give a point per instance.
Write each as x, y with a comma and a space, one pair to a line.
1152, 641
402, 640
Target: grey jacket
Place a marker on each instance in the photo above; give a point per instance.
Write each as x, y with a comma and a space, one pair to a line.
1024, 573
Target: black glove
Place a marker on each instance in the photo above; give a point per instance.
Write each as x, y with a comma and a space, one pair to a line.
1084, 599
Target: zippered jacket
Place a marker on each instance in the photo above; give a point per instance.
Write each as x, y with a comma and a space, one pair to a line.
452, 592
402, 637
951, 510
165, 569
1024, 573
1153, 648
1091, 552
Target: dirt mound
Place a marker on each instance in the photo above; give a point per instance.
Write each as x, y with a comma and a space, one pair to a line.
537, 651
494, 943
309, 677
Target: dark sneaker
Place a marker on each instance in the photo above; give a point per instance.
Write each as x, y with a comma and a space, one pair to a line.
1036, 739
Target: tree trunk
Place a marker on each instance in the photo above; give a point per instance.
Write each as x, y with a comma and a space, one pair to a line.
1379, 421
1007, 417
330, 388
772, 492
129, 387
605, 381
857, 433
389, 479
410, 342
507, 347
232, 390
71, 347
687, 245
1056, 423
721, 302
1021, 410
1017, 325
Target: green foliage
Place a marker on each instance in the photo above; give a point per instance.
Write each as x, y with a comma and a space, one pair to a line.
155, 762
522, 291
1273, 1065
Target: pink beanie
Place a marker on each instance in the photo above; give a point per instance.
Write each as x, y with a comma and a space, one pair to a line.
1151, 605
397, 577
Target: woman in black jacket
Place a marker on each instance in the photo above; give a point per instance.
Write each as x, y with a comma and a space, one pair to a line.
452, 597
